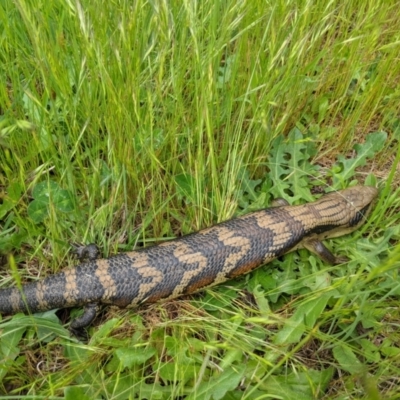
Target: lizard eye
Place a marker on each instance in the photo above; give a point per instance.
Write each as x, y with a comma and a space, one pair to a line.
359, 216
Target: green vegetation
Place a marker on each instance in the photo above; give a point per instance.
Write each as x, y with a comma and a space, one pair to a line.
126, 123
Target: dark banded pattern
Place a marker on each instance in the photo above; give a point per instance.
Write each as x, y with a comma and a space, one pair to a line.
196, 261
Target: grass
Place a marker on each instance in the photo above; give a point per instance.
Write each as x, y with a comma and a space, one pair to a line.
128, 123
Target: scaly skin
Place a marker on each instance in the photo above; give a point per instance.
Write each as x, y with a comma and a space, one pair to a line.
196, 261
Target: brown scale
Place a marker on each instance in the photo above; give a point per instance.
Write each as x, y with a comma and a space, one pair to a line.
196, 261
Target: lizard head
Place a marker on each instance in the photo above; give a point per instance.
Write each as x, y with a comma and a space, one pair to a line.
345, 210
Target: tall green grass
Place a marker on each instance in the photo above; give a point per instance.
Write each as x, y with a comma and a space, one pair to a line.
146, 120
